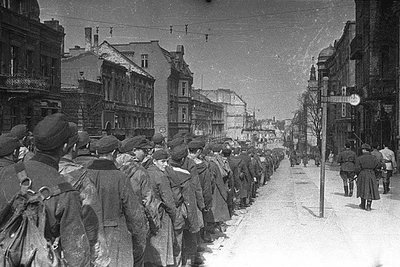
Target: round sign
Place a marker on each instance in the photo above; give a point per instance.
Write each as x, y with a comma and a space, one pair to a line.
354, 99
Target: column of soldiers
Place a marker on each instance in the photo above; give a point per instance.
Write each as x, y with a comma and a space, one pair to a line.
133, 202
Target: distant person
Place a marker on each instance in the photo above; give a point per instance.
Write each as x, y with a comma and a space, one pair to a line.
365, 167
391, 167
378, 155
346, 159
331, 157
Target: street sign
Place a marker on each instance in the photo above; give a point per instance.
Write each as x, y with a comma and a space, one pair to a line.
353, 99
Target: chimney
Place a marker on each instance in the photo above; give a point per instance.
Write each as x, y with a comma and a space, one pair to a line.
88, 38
95, 40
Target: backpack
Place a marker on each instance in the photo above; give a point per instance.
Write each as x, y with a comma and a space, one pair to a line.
22, 226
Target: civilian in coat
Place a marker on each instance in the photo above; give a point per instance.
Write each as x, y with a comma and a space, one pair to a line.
159, 249
365, 166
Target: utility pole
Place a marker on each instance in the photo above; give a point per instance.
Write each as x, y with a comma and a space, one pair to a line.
324, 102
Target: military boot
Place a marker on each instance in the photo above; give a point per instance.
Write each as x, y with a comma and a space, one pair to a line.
368, 208
385, 188
351, 187
346, 190
362, 204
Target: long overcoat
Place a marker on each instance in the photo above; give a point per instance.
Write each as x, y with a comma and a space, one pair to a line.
219, 211
365, 167
124, 220
159, 249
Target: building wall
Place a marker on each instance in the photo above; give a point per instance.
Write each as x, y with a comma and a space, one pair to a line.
375, 51
234, 110
160, 69
30, 54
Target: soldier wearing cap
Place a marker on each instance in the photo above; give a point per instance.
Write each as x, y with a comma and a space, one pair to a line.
185, 200
51, 140
120, 206
195, 148
84, 157
365, 166
159, 249
9, 150
67, 163
346, 159
134, 151
20, 132
159, 142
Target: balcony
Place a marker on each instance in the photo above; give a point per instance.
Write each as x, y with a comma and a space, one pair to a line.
22, 84
356, 48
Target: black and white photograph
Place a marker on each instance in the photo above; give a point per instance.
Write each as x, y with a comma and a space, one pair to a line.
209, 133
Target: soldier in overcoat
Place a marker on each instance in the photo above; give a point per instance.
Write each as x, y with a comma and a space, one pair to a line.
365, 166
159, 249
346, 159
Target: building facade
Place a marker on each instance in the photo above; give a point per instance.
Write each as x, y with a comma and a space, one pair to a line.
172, 86
234, 111
207, 116
341, 73
375, 51
30, 64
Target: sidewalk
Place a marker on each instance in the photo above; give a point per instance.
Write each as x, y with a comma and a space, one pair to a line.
282, 228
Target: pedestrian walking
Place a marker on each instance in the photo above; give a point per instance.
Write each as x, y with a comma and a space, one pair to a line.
365, 166
331, 157
347, 159
293, 158
305, 159
391, 167
378, 155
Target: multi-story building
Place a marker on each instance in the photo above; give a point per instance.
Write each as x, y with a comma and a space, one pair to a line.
341, 73
375, 51
234, 111
30, 61
207, 116
124, 102
172, 86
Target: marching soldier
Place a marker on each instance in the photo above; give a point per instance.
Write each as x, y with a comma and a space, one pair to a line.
391, 167
346, 159
84, 157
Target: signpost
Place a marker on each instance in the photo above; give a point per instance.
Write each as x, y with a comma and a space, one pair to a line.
353, 100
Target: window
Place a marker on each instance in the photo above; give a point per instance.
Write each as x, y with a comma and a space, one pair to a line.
14, 60
145, 60
183, 88
29, 63
183, 114
43, 66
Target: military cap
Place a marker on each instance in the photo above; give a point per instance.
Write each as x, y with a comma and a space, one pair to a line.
216, 147
19, 131
179, 152
348, 145
84, 139
176, 142
160, 154
135, 142
74, 137
51, 132
158, 138
107, 144
366, 146
8, 144
196, 144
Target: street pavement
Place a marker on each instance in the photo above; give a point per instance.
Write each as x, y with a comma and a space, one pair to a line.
283, 227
